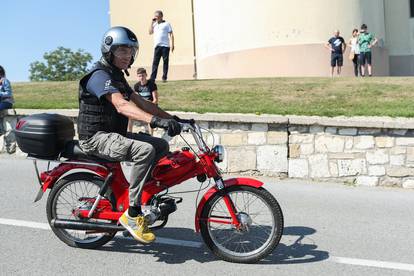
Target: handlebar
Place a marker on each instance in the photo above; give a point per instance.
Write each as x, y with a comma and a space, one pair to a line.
191, 126
184, 121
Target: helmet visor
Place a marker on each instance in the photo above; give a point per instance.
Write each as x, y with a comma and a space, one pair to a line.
124, 52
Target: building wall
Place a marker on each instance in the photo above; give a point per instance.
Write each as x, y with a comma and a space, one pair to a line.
240, 38
137, 16
400, 38
400, 33
279, 38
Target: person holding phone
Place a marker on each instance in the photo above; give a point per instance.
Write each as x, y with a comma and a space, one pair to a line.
163, 43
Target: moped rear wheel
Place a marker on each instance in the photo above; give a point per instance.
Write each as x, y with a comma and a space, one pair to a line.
260, 230
64, 199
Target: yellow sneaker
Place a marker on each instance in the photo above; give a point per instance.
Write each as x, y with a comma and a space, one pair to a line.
137, 227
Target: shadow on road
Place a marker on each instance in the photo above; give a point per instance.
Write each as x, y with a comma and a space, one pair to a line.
302, 250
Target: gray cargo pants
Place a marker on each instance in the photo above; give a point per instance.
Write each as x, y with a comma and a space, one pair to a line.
141, 149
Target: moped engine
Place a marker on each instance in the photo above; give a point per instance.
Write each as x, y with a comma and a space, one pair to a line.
167, 206
151, 213
160, 209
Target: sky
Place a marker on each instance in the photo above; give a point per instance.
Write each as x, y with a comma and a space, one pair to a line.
31, 28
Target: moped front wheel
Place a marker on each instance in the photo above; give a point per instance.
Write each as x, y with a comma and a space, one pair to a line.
259, 231
66, 197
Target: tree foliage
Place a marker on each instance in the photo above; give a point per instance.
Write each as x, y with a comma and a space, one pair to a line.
61, 64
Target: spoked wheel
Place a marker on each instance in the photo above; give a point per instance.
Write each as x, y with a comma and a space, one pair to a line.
260, 229
71, 193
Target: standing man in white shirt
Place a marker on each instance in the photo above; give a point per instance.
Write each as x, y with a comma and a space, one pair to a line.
162, 32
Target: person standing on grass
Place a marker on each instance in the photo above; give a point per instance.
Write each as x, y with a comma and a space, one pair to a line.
354, 55
6, 93
147, 89
337, 46
366, 41
162, 32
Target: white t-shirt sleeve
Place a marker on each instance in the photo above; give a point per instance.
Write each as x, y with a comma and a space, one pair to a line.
169, 28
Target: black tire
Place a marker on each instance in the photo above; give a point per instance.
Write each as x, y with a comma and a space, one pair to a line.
63, 234
269, 245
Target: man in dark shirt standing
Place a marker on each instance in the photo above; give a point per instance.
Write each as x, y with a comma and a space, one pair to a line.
337, 46
146, 88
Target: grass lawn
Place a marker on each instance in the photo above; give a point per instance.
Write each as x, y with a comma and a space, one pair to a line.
388, 96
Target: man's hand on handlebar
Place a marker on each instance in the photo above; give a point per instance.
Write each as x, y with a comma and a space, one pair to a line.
183, 121
172, 126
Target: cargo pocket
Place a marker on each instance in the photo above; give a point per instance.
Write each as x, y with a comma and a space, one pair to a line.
116, 147
91, 145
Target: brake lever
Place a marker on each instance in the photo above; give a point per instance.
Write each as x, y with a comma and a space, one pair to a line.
184, 121
186, 127
190, 122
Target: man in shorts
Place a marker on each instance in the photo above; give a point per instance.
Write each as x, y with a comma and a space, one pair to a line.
337, 46
366, 41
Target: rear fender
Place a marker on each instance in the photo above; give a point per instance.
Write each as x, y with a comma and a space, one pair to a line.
50, 178
213, 190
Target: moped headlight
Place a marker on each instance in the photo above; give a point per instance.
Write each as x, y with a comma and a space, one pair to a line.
219, 149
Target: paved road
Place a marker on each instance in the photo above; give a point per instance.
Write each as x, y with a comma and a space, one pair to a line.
330, 229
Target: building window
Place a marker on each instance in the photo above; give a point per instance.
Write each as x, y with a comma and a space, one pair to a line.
411, 8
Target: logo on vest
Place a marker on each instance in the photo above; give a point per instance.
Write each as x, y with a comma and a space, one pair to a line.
108, 84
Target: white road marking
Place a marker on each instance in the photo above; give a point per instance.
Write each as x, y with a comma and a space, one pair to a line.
23, 223
179, 242
339, 260
45, 226
372, 263
169, 241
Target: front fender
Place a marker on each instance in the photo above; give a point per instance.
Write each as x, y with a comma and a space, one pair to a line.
227, 183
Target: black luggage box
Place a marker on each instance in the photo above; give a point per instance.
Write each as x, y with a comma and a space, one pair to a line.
44, 135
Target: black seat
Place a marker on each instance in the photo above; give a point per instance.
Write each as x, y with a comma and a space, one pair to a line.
73, 151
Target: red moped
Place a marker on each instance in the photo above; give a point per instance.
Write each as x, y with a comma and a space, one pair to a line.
239, 220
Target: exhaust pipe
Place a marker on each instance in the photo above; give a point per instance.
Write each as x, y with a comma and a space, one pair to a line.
81, 225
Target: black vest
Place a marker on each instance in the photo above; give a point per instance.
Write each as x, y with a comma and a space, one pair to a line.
99, 114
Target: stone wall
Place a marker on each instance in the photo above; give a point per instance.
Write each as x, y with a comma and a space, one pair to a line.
371, 151
363, 156
250, 147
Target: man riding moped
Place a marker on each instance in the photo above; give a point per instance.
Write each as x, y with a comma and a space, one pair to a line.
106, 102
238, 219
